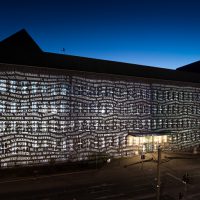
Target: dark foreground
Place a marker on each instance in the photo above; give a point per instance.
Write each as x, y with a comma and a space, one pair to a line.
125, 179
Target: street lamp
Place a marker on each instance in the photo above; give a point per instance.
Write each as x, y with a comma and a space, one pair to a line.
158, 173
96, 155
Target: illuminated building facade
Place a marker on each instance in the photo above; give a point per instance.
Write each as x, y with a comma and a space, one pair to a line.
68, 108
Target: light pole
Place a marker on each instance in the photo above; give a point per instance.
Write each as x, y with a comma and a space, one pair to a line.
158, 173
96, 154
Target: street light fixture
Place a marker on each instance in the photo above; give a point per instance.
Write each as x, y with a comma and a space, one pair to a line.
158, 173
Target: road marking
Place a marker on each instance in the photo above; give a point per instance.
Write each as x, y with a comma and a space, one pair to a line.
144, 196
139, 185
195, 175
193, 196
45, 176
141, 189
102, 185
175, 177
110, 196
98, 191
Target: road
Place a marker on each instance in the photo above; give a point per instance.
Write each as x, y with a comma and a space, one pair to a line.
112, 182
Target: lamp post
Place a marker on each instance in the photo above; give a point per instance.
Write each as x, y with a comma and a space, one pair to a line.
96, 155
158, 173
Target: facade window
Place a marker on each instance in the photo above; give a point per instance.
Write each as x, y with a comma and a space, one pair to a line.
2, 106
34, 87
63, 89
2, 85
13, 86
24, 87
2, 126
24, 107
13, 107
44, 89
34, 107
13, 126
34, 126
44, 108
44, 126
53, 107
53, 90
62, 108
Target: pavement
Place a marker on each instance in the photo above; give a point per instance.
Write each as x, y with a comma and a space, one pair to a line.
126, 179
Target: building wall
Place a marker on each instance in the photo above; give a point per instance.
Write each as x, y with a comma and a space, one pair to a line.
48, 116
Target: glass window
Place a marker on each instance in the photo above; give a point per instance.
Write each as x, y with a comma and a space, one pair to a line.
24, 87
13, 107
53, 90
53, 107
2, 85
34, 106
34, 87
13, 86
44, 89
2, 106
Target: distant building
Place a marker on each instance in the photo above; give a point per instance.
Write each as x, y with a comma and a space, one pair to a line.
67, 108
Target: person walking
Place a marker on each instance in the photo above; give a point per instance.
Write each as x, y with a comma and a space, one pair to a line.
180, 196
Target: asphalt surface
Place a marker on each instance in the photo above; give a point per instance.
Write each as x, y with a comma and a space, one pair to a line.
125, 179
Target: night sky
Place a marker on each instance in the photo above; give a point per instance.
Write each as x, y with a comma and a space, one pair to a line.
162, 33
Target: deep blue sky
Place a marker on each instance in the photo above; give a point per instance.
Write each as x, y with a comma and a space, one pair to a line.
163, 33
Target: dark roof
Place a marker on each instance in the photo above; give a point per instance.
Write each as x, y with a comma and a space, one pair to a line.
21, 49
21, 41
192, 67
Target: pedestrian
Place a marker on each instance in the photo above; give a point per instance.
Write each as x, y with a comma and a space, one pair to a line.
186, 178
180, 196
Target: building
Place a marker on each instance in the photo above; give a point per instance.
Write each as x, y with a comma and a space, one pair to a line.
67, 108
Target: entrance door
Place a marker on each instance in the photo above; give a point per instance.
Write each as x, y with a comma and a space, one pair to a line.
146, 143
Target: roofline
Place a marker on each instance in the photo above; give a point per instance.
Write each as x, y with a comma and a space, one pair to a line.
16, 51
106, 76
110, 61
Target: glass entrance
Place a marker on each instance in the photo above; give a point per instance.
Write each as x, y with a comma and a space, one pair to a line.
146, 143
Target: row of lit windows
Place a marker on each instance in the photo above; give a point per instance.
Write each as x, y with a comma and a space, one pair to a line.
34, 107
175, 109
101, 108
25, 87
175, 95
72, 144
87, 125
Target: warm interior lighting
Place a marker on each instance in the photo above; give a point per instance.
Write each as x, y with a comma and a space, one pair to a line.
145, 142
130, 140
